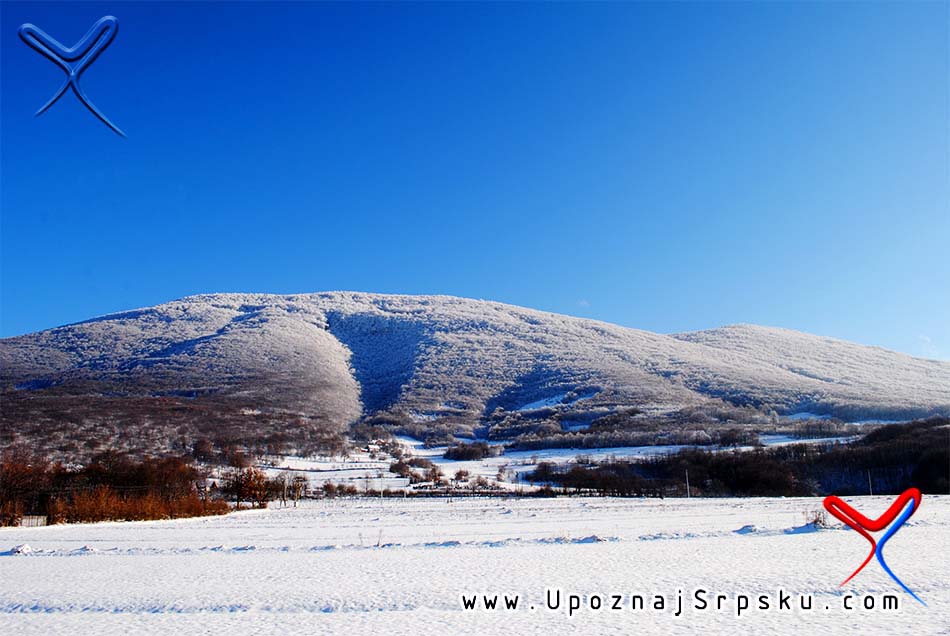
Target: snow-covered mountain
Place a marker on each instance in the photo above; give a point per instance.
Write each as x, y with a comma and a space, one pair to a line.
341, 356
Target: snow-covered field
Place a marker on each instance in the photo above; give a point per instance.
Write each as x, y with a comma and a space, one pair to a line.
372, 473
398, 566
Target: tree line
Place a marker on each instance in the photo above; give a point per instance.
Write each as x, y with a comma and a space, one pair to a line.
887, 460
110, 487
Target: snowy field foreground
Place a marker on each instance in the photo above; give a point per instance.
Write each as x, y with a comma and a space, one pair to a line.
400, 567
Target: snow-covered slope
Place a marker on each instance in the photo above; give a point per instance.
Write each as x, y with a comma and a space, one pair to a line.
341, 355
858, 378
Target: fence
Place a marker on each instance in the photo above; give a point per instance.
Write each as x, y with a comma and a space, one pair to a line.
32, 521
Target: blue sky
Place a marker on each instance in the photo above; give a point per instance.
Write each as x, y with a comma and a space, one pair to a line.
664, 166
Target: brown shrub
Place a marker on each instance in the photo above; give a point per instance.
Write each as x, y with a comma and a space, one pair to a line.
103, 504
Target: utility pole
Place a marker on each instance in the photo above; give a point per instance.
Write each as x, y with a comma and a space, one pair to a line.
687, 483
870, 488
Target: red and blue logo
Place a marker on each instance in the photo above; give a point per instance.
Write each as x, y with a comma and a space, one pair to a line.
900, 511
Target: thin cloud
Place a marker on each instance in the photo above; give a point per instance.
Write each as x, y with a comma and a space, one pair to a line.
927, 347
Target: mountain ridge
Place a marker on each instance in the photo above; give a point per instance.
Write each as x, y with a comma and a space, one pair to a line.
337, 358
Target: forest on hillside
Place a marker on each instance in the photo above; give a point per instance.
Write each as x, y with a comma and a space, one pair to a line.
887, 460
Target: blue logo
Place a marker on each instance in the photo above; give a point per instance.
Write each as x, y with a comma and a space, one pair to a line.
75, 60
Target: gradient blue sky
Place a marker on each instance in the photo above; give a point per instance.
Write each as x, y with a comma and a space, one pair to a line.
664, 166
